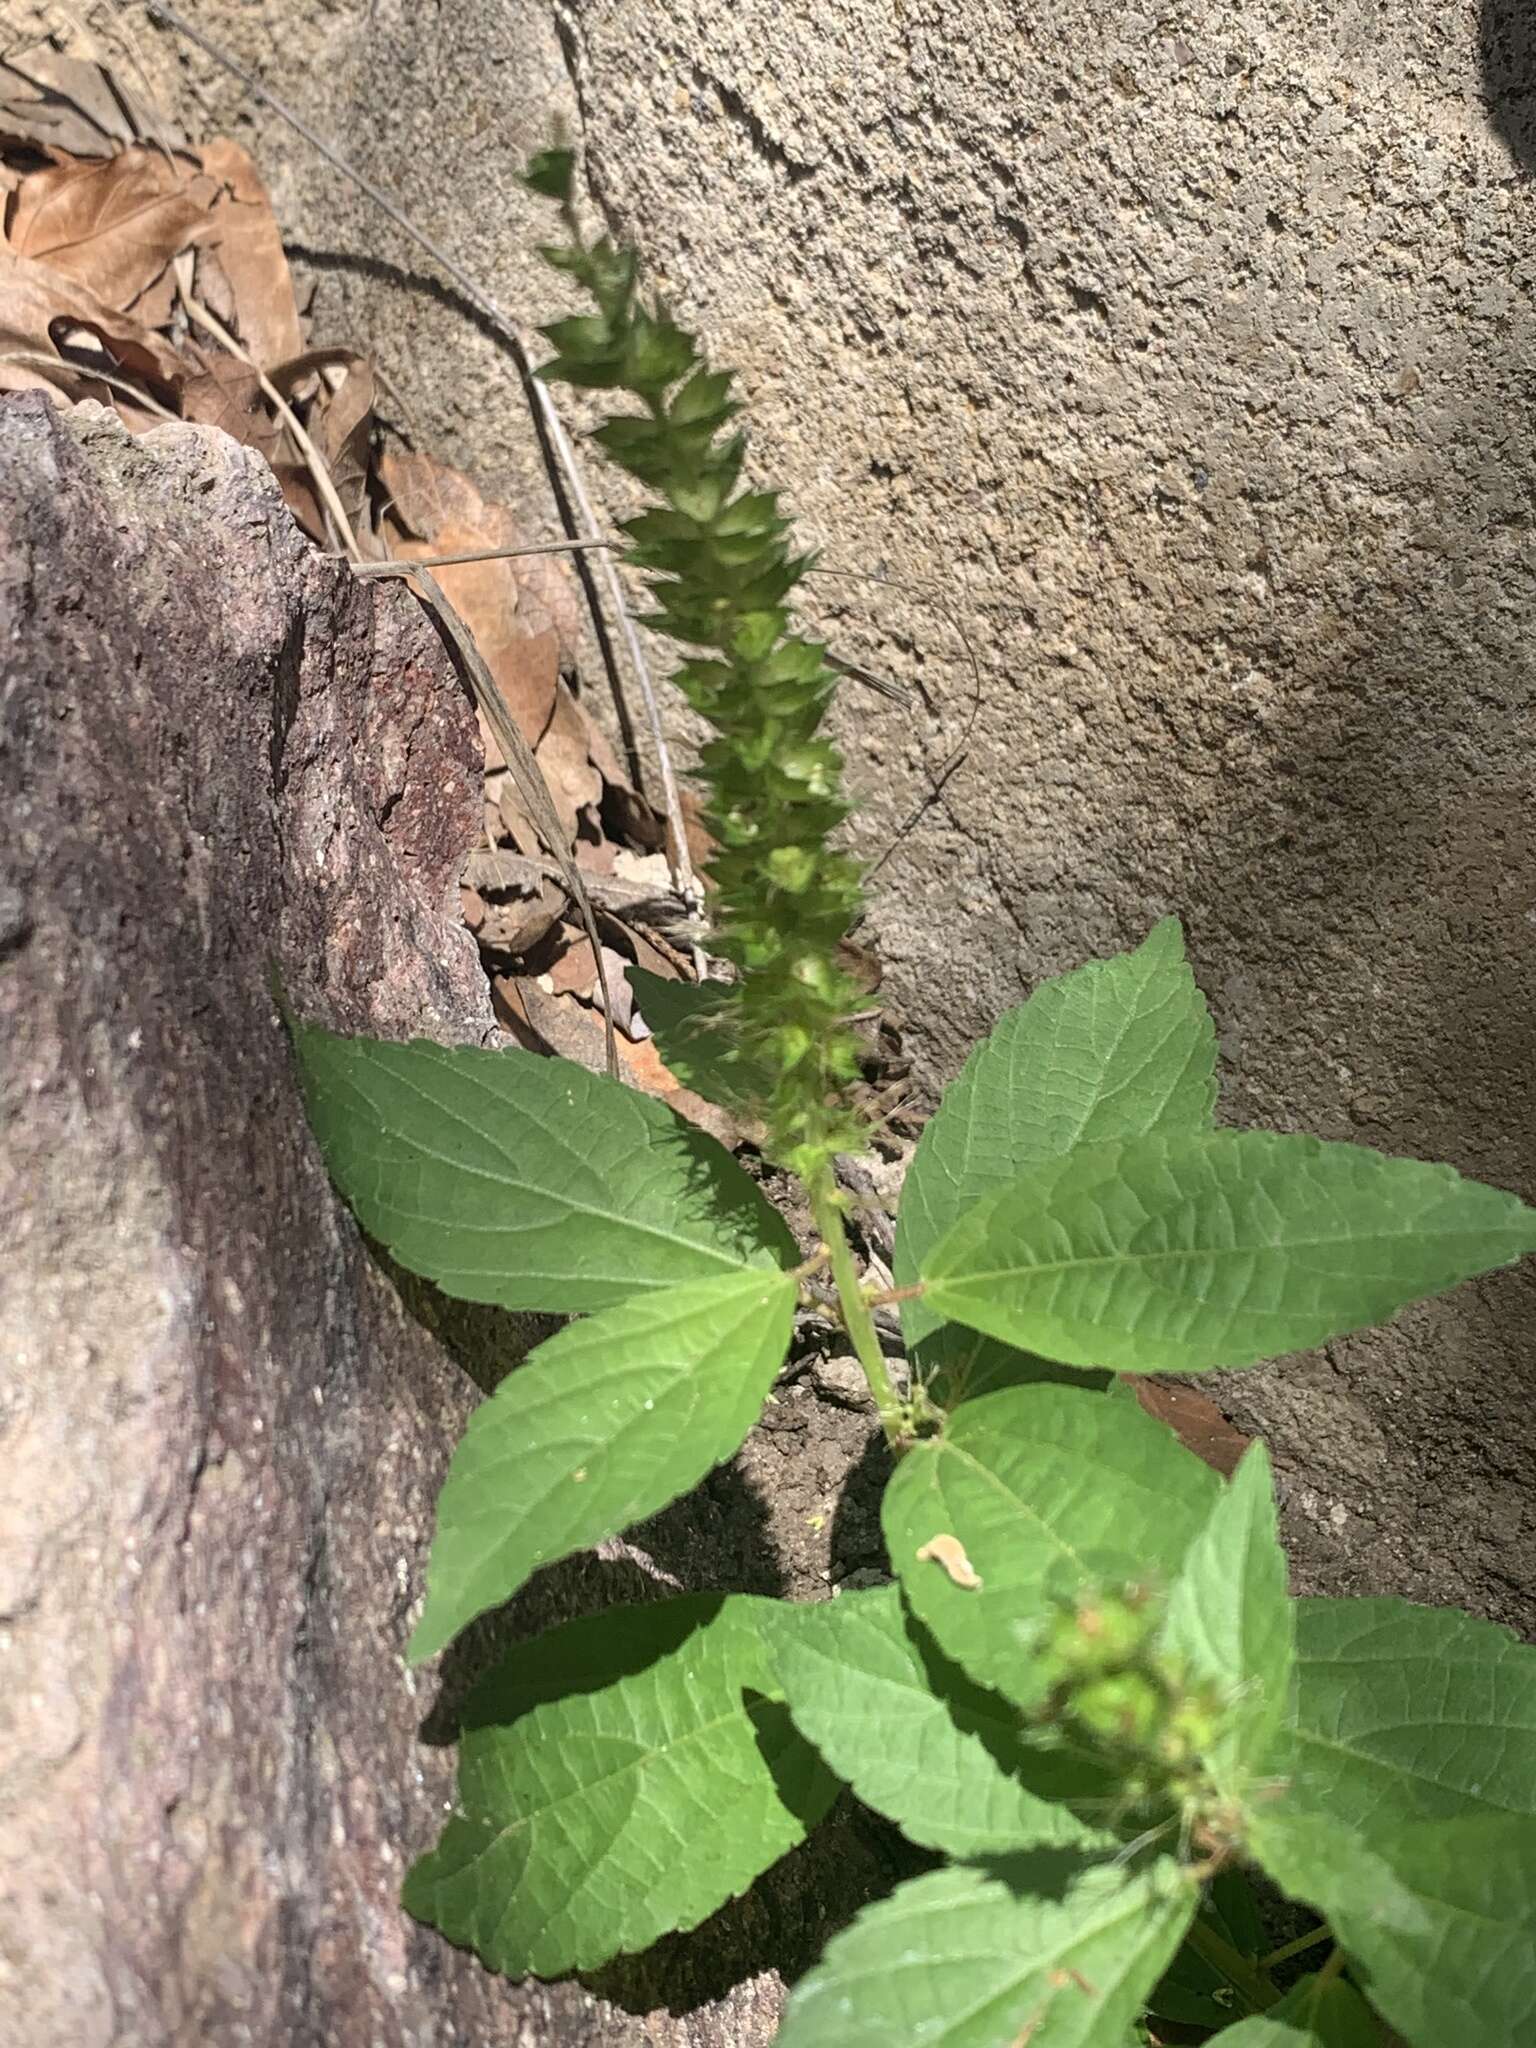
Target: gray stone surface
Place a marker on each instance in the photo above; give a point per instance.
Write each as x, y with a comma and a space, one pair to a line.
222, 1423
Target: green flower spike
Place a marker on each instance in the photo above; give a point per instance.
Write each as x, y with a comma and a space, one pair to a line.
719, 574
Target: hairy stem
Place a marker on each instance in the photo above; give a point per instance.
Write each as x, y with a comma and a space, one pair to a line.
857, 1321
1244, 1976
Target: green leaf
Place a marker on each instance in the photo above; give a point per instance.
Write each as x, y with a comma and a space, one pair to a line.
1409, 1814
550, 173
1438, 1919
1194, 1992
528, 1182
1114, 1050
1316, 2013
1405, 1713
1330, 2012
958, 1365
917, 1741
692, 1026
621, 1777
1036, 1951
603, 1425
1230, 1620
1040, 1486
1263, 2031
1179, 1254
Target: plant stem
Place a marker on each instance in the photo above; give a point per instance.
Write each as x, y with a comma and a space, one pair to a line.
1296, 1947
1330, 1969
857, 1321
1246, 1977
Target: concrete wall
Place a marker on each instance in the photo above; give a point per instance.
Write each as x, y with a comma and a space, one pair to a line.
1191, 354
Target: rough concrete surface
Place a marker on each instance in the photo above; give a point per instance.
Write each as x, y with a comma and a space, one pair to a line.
222, 1423
1190, 354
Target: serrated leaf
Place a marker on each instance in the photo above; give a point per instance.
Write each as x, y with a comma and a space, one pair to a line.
1230, 1621
1041, 1953
1404, 1713
1438, 1918
690, 1022
1037, 1484
528, 1182
1409, 1811
1180, 1254
1113, 1050
619, 1778
606, 1422
919, 1742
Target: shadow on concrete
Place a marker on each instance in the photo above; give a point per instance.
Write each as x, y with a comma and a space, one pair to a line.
1507, 49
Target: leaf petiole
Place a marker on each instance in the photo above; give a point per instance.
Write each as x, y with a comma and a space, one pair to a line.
1297, 1947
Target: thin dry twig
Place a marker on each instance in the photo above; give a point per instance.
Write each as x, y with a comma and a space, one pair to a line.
526, 773
539, 398
38, 359
544, 547
855, 671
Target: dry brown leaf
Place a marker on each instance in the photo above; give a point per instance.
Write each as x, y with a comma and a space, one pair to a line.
111, 224
42, 312
526, 666
52, 102
642, 1065
511, 606
434, 510
212, 289
645, 870
430, 501
224, 392
1195, 1420
340, 424
156, 306
245, 242
573, 972
596, 856
663, 962
547, 1023
515, 922
298, 489
565, 756
553, 1023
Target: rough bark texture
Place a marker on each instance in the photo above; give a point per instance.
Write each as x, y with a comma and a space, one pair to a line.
221, 1425
1191, 355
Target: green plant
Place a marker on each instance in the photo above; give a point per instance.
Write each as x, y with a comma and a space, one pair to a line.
1088, 1687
